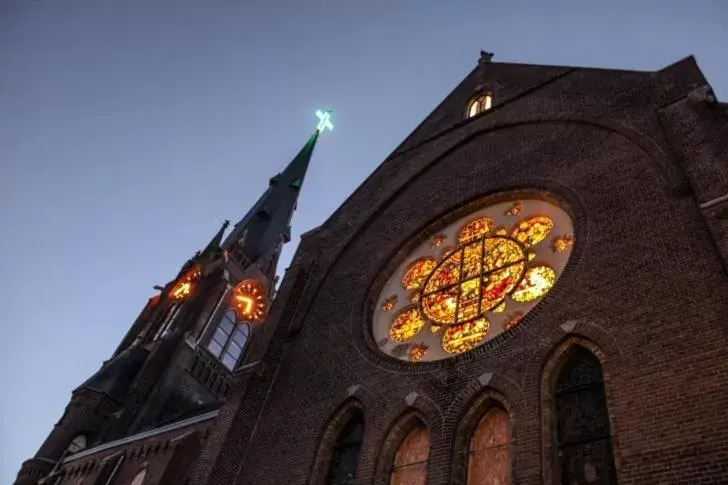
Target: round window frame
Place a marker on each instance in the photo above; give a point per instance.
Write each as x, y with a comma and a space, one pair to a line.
564, 200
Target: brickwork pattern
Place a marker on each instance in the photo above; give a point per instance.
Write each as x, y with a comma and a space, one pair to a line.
643, 286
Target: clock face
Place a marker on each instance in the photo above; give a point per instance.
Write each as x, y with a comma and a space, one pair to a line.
184, 286
249, 301
473, 280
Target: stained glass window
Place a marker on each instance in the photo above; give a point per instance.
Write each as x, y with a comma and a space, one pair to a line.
417, 272
346, 451
410, 461
489, 459
407, 323
563, 243
417, 352
461, 293
481, 103
228, 341
582, 422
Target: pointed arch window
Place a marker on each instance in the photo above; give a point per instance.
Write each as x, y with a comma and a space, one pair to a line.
346, 451
79, 443
482, 102
229, 339
583, 435
489, 459
410, 461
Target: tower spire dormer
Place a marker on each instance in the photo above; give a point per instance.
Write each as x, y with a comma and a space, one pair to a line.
259, 233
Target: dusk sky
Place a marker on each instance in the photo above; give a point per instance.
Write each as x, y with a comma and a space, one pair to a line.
130, 130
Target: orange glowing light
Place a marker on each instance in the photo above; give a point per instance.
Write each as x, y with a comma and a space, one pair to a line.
248, 299
183, 288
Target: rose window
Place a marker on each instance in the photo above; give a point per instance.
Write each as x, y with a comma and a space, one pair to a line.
473, 280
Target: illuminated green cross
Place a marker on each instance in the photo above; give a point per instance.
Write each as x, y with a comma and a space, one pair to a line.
324, 121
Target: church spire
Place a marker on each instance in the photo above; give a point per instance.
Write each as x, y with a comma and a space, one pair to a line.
214, 246
260, 231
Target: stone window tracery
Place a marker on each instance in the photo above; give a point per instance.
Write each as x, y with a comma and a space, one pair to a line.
484, 275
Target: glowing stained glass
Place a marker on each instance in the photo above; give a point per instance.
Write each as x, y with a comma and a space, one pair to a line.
499, 252
447, 274
463, 337
537, 281
501, 231
533, 230
184, 286
438, 240
441, 306
390, 303
414, 297
500, 308
447, 251
417, 272
248, 299
513, 320
515, 209
406, 324
469, 299
531, 255
475, 229
498, 284
417, 352
562, 244
435, 328
472, 260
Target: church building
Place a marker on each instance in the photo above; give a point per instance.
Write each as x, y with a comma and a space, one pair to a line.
530, 290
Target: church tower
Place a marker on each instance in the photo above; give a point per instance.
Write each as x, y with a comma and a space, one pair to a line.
178, 360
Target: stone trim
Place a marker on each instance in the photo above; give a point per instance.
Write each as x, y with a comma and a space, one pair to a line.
465, 424
408, 421
551, 369
334, 425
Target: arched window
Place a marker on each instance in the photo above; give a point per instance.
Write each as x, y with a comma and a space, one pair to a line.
489, 459
229, 339
582, 424
410, 461
78, 444
139, 477
345, 454
480, 103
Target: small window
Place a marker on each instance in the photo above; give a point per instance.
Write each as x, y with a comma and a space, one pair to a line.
78, 444
229, 339
345, 454
482, 102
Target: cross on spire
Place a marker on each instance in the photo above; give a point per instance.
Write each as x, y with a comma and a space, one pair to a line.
324, 120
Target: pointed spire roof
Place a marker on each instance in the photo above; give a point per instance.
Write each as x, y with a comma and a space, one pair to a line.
260, 231
215, 243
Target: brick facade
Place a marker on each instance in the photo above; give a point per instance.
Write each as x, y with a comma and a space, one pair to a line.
629, 156
637, 159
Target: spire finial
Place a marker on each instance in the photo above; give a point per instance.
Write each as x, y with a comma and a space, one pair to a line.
485, 57
324, 120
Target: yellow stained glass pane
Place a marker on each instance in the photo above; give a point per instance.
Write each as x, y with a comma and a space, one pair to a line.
501, 231
440, 307
472, 260
447, 251
435, 328
498, 284
406, 324
468, 303
389, 304
562, 244
515, 209
500, 308
438, 240
533, 230
537, 281
417, 273
414, 297
499, 252
463, 337
447, 274
417, 352
475, 229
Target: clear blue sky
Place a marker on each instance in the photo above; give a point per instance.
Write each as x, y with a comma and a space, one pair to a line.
130, 130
